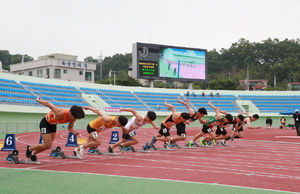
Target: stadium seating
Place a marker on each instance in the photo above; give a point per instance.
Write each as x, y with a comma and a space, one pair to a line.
25, 93
273, 103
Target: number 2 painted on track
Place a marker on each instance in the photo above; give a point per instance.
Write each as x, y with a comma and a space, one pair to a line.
115, 136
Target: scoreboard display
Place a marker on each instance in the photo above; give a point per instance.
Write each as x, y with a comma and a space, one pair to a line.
147, 68
160, 62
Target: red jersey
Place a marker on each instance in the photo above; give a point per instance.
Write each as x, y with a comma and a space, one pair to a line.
51, 118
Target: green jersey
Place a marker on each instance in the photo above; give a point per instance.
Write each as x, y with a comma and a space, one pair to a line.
214, 122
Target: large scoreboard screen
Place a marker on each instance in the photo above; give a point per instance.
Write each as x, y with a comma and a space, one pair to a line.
152, 61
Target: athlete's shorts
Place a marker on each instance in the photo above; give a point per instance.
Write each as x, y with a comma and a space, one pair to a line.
164, 130
90, 129
241, 129
129, 135
47, 128
181, 129
206, 129
221, 131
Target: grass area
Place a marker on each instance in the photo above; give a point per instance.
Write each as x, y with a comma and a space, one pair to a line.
36, 181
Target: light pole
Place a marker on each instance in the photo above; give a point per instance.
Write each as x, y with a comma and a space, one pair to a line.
100, 68
248, 76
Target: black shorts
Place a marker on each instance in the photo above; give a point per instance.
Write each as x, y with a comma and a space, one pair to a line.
90, 129
47, 128
129, 135
221, 131
181, 129
206, 129
164, 130
241, 129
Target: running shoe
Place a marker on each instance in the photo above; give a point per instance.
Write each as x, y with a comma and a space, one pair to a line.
190, 143
132, 148
76, 152
121, 148
33, 158
203, 142
28, 152
167, 145
110, 150
81, 149
93, 148
153, 140
223, 142
147, 147
172, 145
214, 142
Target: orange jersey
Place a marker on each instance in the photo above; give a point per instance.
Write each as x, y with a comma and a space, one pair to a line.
100, 125
168, 122
51, 118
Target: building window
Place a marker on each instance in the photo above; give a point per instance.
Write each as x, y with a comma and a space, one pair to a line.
29, 73
39, 73
80, 72
47, 73
88, 76
57, 73
65, 71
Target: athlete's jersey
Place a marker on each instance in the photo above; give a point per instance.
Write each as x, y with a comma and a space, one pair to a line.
51, 118
100, 125
234, 122
168, 122
191, 119
132, 125
214, 122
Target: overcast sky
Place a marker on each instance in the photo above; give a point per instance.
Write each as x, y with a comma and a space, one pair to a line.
87, 27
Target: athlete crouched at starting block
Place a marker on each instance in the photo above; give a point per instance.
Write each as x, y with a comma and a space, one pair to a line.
101, 123
49, 123
181, 132
167, 123
218, 119
133, 124
221, 133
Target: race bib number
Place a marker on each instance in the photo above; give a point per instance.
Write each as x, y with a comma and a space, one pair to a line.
131, 134
182, 134
95, 134
165, 130
43, 131
209, 130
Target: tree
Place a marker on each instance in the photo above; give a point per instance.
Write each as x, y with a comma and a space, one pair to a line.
223, 84
18, 58
5, 58
129, 81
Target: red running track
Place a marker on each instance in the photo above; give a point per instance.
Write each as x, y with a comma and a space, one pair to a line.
260, 160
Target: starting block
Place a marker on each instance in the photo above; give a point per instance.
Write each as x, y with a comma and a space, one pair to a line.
140, 151
59, 154
165, 149
96, 151
198, 145
12, 158
183, 147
